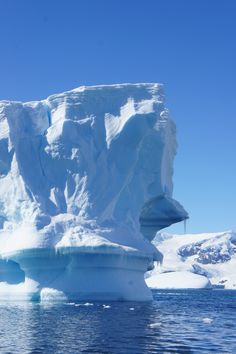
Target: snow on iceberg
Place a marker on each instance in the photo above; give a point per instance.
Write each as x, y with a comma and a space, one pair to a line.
85, 184
210, 255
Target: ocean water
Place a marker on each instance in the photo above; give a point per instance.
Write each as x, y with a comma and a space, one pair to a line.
184, 321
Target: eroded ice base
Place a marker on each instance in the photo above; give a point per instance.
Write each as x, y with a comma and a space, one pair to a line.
69, 274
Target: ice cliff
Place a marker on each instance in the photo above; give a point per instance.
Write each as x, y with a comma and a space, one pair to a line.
85, 184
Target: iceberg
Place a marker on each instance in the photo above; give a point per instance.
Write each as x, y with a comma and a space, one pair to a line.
85, 184
178, 280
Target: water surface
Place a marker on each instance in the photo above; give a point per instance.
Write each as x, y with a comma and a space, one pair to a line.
184, 321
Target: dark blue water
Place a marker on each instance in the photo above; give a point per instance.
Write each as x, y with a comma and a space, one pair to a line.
175, 322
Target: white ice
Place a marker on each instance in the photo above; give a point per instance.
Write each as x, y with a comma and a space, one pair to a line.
210, 255
85, 184
178, 280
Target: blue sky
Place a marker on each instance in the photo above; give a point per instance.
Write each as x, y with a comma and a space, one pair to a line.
49, 46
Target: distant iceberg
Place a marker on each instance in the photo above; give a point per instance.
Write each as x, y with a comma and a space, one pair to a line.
178, 280
85, 184
195, 261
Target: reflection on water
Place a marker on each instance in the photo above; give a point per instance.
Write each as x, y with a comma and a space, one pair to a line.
175, 322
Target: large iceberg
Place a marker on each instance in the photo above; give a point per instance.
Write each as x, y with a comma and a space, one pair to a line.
85, 184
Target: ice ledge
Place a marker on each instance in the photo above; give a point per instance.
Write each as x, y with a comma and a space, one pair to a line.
72, 274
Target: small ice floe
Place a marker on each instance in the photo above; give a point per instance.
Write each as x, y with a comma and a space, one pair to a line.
131, 308
155, 325
50, 295
86, 304
106, 306
207, 320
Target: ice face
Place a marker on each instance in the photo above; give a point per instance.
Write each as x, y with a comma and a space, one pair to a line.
89, 169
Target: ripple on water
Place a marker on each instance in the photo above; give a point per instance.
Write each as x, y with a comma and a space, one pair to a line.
175, 322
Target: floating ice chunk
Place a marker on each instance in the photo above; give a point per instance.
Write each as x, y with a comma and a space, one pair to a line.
86, 304
52, 295
207, 320
155, 325
106, 306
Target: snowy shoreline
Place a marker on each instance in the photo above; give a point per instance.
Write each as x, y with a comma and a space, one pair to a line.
209, 255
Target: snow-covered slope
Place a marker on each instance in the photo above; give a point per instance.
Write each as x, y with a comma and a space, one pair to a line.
83, 172
211, 255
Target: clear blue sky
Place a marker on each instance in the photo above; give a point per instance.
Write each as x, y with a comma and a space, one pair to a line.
49, 46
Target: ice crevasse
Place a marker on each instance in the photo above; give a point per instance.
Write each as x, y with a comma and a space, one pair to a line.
85, 184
